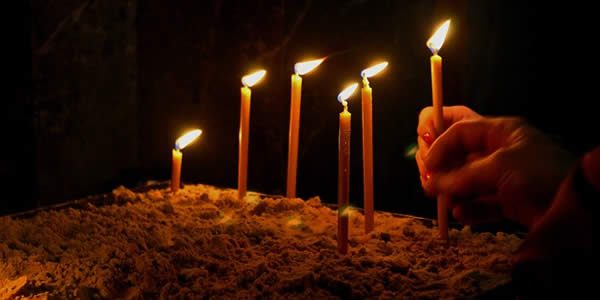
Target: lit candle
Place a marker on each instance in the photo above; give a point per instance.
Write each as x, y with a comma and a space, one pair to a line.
296, 96
435, 43
367, 135
181, 143
344, 169
244, 135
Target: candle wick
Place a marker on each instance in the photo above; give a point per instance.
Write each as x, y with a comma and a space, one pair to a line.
432, 48
177, 146
365, 81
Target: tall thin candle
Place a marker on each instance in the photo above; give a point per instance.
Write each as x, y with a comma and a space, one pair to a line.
435, 43
296, 97
344, 169
177, 157
367, 135
244, 135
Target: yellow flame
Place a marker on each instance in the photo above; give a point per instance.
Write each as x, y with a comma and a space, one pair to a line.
251, 79
347, 92
372, 71
304, 67
187, 138
436, 41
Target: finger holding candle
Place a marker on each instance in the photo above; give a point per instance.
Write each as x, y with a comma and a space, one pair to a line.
435, 44
367, 135
344, 169
300, 68
248, 81
177, 156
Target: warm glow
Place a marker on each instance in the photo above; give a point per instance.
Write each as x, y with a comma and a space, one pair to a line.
436, 41
347, 211
346, 93
252, 79
411, 151
225, 218
187, 138
294, 222
304, 67
372, 71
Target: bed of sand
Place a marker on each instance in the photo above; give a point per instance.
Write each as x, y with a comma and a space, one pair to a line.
203, 243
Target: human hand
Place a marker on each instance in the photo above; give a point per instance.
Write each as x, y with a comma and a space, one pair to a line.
426, 131
495, 167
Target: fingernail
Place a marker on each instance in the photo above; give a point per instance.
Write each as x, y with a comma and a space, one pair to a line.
427, 175
428, 138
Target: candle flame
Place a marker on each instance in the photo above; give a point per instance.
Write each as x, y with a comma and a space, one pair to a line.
436, 41
304, 67
251, 79
187, 139
346, 93
374, 70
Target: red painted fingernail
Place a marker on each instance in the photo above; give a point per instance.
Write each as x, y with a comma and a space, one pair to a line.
428, 138
427, 175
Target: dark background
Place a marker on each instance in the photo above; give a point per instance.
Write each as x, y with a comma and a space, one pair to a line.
103, 88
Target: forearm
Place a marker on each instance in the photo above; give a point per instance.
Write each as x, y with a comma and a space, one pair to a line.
559, 245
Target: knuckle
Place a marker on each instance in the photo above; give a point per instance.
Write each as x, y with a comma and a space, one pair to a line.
459, 126
515, 122
463, 108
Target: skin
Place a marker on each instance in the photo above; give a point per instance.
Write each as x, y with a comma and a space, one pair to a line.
491, 168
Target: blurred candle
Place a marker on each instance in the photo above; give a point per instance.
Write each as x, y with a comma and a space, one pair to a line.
296, 97
248, 81
181, 143
344, 169
367, 135
434, 44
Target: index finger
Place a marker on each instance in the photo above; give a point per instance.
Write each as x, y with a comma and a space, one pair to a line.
452, 114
